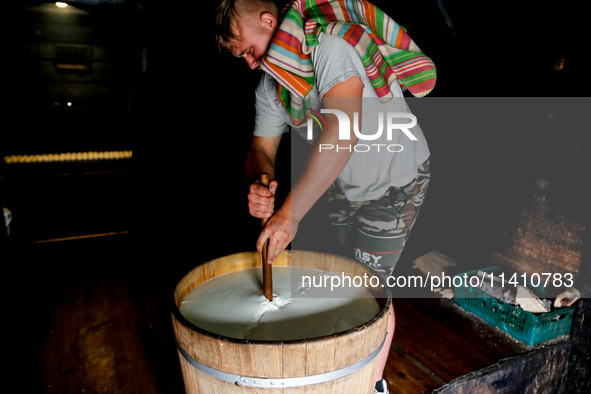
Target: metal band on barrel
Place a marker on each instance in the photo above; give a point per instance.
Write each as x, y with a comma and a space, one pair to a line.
279, 382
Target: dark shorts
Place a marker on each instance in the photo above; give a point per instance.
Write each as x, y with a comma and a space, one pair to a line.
377, 230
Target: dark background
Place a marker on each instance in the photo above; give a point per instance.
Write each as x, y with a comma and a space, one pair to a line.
158, 86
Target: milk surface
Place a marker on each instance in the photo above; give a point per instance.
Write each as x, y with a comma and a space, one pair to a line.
233, 305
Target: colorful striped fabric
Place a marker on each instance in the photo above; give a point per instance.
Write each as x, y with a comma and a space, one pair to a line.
386, 51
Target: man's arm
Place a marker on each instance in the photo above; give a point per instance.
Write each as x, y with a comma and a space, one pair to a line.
260, 159
320, 170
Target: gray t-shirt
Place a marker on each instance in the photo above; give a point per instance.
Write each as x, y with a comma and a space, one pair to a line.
376, 164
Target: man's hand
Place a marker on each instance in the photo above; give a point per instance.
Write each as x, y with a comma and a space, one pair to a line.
261, 200
280, 231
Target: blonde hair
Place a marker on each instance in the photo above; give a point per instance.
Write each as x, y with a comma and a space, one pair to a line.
227, 15
224, 20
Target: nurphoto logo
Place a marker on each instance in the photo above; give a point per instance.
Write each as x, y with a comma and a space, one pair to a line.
345, 130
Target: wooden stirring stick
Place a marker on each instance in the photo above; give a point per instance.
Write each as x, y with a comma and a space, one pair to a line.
267, 268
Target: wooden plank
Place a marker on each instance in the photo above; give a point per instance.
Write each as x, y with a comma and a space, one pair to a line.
294, 360
443, 341
320, 357
266, 360
348, 349
544, 240
404, 376
98, 339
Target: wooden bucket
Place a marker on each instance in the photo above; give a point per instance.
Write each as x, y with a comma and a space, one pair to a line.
346, 362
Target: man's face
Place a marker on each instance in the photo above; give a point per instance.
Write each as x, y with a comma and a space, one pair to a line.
256, 35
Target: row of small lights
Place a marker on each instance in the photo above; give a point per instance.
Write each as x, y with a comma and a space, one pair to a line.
64, 157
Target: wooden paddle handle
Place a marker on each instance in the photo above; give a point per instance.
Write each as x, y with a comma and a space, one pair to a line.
267, 268
264, 179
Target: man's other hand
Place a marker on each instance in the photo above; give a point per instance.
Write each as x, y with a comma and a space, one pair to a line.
261, 200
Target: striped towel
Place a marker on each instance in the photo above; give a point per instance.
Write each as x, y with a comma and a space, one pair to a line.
385, 49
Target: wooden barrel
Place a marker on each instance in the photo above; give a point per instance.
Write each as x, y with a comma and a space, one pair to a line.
346, 362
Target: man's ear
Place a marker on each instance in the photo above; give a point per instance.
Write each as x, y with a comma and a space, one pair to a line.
268, 20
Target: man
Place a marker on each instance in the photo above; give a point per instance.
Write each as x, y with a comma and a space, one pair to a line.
376, 193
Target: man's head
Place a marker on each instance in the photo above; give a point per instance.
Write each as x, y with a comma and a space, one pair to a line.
245, 28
